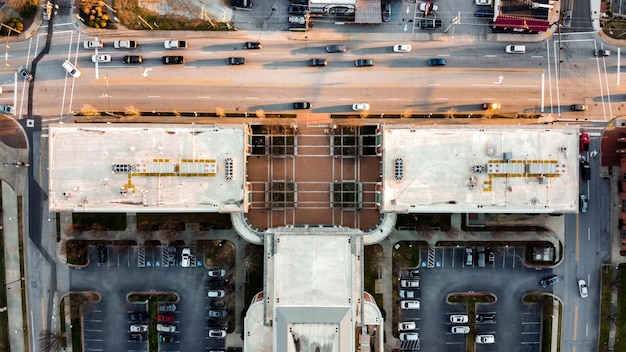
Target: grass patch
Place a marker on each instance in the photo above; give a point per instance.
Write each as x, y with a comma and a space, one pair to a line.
546, 303
110, 221
154, 222
77, 252
605, 308
62, 326
78, 302
620, 327
373, 266
471, 298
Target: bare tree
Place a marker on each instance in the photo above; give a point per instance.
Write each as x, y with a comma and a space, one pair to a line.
74, 230
50, 341
98, 230
19, 5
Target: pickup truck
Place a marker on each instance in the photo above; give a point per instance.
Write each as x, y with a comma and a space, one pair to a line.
175, 44
92, 44
124, 44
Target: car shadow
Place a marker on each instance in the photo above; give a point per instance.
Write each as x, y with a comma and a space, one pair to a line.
224, 47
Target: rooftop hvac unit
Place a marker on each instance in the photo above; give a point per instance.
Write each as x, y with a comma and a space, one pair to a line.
507, 156
490, 151
543, 180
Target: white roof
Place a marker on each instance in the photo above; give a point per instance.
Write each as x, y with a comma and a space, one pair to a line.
147, 168
487, 169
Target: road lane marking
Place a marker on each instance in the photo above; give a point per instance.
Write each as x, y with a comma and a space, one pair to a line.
252, 98
393, 99
575, 321
154, 96
203, 97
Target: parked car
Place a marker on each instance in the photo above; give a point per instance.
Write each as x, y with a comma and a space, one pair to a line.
579, 107
336, 49
236, 61
26, 75
409, 336
215, 313
132, 59
428, 8
101, 58
582, 288
71, 69
410, 304
469, 256
458, 319
173, 60
387, 12
216, 293
102, 253
138, 316
439, 61
166, 328
364, 63
549, 281
297, 10
407, 325
138, 337
515, 49
317, 62
166, 338
165, 317
485, 317
409, 293
361, 107
584, 142
484, 339
484, 13
185, 258
483, 2
138, 328
584, 203
213, 273
429, 24
301, 105
410, 283
492, 106
585, 170
252, 45
214, 303
93, 44
217, 333
167, 308
7, 109
567, 21
602, 52
402, 48
460, 330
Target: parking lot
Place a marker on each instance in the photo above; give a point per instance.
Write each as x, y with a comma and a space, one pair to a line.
444, 270
107, 323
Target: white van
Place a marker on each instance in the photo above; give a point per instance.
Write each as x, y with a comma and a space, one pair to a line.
515, 49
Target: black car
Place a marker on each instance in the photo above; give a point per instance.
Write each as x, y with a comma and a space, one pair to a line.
102, 253
301, 105
166, 338
252, 45
585, 170
317, 62
236, 61
138, 316
437, 62
173, 60
133, 59
336, 49
300, 2
364, 62
429, 24
481, 318
484, 13
579, 107
297, 10
138, 337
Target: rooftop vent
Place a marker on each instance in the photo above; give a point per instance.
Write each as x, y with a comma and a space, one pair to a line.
398, 168
229, 168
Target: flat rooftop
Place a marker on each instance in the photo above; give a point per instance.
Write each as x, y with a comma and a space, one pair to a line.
486, 169
147, 168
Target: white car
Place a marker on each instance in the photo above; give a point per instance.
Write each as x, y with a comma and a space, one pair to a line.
407, 325
424, 6
101, 58
71, 69
361, 107
458, 319
402, 48
7, 109
409, 336
582, 288
138, 328
93, 44
484, 339
483, 2
460, 330
515, 49
185, 258
406, 304
410, 283
216, 273
166, 328
217, 333
216, 294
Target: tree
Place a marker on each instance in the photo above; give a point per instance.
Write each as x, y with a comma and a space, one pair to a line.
50, 341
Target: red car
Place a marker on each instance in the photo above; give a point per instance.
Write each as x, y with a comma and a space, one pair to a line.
584, 142
166, 318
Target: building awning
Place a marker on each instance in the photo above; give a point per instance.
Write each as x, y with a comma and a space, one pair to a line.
368, 11
525, 23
